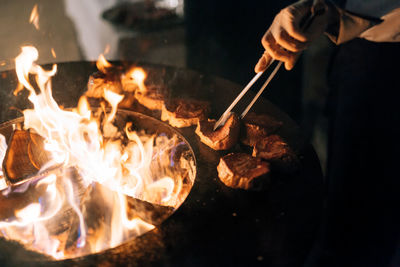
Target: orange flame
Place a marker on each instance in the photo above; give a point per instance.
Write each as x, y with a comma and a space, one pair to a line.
87, 149
3, 149
53, 53
102, 64
34, 18
137, 76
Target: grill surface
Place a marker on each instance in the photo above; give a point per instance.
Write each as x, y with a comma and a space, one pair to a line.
216, 225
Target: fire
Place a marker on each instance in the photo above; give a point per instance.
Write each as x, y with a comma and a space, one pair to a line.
114, 100
34, 18
137, 76
3, 149
32, 212
102, 64
53, 53
96, 169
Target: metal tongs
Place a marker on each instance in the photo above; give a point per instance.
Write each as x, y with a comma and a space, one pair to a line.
317, 9
227, 112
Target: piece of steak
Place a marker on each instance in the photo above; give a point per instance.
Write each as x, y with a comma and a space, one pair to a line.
222, 138
258, 126
181, 112
278, 152
153, 97
241, 170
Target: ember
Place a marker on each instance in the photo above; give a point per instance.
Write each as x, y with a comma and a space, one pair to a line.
104, 181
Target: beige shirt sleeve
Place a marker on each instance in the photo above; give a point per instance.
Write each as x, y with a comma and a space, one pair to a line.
353, 26
387, 31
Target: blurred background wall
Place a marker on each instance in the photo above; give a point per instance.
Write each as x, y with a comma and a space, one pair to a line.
56, 30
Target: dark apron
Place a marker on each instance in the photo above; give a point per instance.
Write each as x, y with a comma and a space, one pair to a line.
363, 208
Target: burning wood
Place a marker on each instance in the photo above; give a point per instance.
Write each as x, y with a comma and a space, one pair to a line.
25, 156
93, 204
114, 79
99, 82
130, 83
111, 182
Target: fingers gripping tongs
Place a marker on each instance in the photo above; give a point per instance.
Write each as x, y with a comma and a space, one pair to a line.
315, 11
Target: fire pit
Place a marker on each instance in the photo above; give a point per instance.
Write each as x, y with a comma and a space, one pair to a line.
215, 225
82, 181
173, 172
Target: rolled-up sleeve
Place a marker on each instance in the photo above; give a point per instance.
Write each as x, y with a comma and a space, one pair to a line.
350, 26
386, 31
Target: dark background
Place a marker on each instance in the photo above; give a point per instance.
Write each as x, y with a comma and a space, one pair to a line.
224, 38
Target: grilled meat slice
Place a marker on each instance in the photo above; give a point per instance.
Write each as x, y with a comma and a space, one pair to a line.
278, 152
258, 126
181, 112
240, 170
222, 138
153, 97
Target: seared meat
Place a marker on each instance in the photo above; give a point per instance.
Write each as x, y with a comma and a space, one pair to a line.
153, 97
222, 138
258, 126
240, 170
274, 149
181, 112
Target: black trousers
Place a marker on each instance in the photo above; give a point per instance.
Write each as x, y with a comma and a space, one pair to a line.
362, 222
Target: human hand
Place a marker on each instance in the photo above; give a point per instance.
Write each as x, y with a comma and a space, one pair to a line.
288, 36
